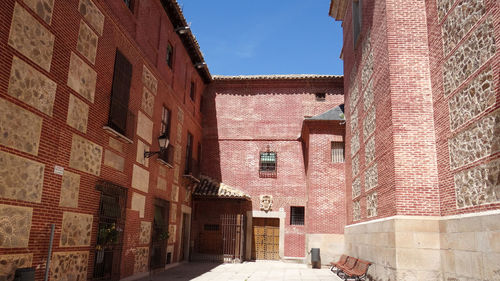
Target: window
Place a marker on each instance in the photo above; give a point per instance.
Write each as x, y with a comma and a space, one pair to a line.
189, 154
192, 92
165, 122
356, 20
338, 152
129, 4
320, 96
297, 215
170, 55
211, 227
267, 164
120, 93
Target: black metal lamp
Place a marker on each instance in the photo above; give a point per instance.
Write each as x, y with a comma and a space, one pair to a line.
162, 143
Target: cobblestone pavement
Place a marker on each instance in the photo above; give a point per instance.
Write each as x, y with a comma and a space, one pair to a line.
247, 271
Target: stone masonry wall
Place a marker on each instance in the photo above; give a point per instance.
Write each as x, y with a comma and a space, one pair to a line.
466, 112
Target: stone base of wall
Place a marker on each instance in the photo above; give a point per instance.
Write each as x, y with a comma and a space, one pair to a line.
462, 247
331, 246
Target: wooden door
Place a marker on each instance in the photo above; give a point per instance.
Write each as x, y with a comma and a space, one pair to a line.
266, 237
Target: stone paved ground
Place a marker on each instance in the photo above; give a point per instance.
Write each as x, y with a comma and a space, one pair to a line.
247, 271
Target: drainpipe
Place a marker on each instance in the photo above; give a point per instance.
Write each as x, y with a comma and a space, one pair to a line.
47, 266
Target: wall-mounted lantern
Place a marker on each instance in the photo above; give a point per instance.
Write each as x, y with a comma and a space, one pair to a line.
162, 143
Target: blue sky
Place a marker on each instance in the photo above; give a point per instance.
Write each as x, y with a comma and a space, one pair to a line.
239, 37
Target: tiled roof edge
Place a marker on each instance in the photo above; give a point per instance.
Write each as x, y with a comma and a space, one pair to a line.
276, 77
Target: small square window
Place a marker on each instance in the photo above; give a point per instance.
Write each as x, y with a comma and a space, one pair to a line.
320, 96
267, 164
211, 227
297, 215
170, 55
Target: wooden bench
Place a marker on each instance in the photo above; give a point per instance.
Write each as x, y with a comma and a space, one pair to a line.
340, 262
358, 272
349, 264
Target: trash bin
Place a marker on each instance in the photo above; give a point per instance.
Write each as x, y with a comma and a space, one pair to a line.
315, 258
25, 274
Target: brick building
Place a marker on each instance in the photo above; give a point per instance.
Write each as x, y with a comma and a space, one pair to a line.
87, 91
88, 86
271, 137
422, 96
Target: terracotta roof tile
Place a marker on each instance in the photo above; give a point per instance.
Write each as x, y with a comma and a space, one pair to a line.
276, 77
208, 187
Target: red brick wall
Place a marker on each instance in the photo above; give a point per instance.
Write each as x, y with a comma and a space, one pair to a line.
55, 144
243, 118
325, 180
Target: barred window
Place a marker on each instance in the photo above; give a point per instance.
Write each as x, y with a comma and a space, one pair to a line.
297, 215
267, 164
338, 152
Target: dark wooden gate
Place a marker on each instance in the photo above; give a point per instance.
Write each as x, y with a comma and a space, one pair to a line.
233, 237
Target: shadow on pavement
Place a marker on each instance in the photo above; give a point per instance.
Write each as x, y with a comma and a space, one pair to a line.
184, 271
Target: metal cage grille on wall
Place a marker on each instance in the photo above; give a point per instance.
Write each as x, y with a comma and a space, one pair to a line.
110, 231
224, 242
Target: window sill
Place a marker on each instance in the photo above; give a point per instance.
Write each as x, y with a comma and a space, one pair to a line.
114, 133
163, 162
266, 174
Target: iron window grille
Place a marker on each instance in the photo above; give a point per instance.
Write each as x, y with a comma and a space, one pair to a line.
268, 164
111, 216
297, 215
338, 152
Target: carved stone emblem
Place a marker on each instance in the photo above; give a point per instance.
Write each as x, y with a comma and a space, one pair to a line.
266, 202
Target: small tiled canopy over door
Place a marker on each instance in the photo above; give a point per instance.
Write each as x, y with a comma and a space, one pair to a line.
266, 237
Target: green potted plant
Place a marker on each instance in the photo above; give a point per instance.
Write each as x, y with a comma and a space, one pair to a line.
107, 236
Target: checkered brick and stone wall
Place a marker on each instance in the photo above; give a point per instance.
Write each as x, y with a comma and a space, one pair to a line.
424, 145
55, 82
